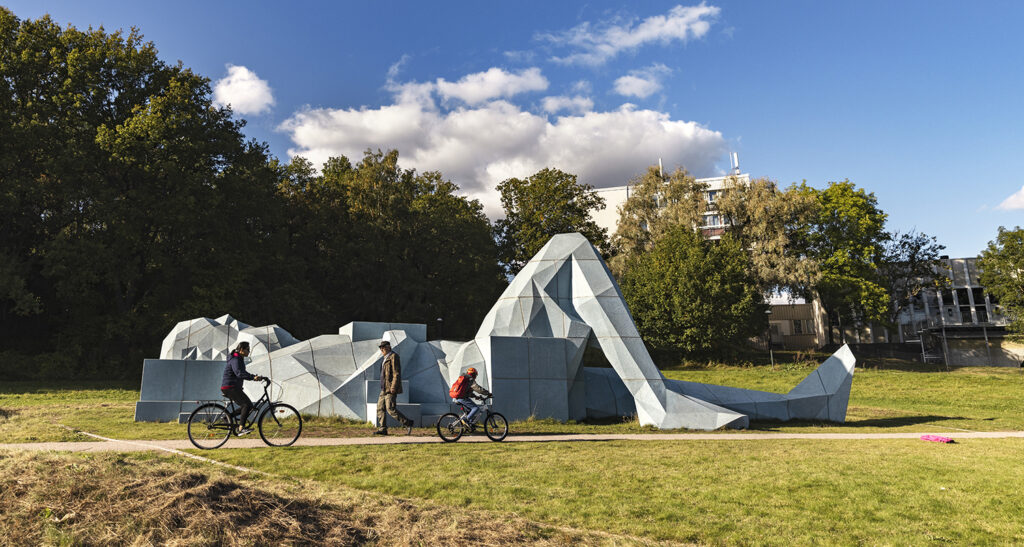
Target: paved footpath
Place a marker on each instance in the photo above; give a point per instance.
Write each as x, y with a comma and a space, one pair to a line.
118, 445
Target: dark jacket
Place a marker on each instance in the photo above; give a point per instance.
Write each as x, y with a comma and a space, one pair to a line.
391, 374
234, 372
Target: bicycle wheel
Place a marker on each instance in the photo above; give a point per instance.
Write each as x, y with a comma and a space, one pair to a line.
280, 425
496, 427
209, 426
450, 428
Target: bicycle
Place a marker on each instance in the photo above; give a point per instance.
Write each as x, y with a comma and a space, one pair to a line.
451, 427
279, 424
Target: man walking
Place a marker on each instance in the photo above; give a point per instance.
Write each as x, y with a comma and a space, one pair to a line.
390, 387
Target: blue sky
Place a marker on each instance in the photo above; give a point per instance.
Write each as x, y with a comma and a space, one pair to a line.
918, 102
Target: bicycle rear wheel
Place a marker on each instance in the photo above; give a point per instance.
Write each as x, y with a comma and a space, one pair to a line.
280, 425
450, 428
209, 426
496, 427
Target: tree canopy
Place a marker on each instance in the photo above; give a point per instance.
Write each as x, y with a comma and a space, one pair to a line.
657, 204
693, 295
545, 204
1002, 274
128, 202
773, 225
846, 240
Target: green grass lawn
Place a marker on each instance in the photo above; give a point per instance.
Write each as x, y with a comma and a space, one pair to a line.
719, 492
722, 492
974, 398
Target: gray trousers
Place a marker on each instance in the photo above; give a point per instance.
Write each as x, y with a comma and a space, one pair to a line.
386, 402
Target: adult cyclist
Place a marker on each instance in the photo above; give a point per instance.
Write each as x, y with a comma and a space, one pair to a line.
231, 385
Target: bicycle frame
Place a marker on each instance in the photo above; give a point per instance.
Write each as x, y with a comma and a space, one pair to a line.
257, 407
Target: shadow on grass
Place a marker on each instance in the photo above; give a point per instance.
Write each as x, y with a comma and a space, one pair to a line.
899, 421
4, 414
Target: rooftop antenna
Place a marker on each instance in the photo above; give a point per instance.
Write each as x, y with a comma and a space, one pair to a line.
661, 172
734, 159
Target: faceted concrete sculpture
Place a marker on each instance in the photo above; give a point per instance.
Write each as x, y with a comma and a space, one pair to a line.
529, 349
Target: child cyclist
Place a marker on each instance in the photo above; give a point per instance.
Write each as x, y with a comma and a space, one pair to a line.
462, 389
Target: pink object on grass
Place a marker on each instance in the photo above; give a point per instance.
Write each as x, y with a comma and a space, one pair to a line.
936, 439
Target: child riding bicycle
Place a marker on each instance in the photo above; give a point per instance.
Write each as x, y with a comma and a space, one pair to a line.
461, 392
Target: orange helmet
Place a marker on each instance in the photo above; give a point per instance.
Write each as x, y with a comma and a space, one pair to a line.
471, 371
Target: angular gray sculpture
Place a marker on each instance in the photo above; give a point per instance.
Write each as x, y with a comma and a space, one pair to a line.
529, 349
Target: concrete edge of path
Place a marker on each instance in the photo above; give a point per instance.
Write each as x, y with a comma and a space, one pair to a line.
104, 444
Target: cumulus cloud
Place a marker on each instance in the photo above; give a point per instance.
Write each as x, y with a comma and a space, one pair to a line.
494, 83
480, 144
595, 44
1014, 202
642, 83
244, 91
575, 105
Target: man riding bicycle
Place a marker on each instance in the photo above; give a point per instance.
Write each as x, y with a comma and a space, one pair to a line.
462, 389
231, 384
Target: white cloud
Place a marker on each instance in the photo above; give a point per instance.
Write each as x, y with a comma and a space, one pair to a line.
478, 146
642, 83
244, 91
1016, 201
575, 105
596, 44
495, 83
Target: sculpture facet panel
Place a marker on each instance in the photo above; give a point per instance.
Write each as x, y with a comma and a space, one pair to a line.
529, 348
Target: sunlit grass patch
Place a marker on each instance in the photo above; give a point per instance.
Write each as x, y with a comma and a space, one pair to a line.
776, 491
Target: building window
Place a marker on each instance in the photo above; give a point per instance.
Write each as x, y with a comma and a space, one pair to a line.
712, 194
810, 326
712, 220
797, 326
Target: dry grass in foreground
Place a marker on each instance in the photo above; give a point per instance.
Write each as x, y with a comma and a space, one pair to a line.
111, 499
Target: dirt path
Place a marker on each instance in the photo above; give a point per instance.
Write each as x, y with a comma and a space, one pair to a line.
117, 445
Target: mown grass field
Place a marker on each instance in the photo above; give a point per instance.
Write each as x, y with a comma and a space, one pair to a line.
708, 492
886, 399
780, 492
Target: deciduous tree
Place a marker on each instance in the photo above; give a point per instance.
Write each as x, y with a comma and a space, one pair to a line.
773, 226
1002, 275
693, 295
909, 265
545, 204
847, 240
657, 204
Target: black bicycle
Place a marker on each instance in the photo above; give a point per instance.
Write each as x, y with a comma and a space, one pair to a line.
279, 424
451, 427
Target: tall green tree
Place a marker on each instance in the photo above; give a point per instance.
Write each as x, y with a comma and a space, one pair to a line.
390, 244
129, 201
1002, 275
657, 204
693, 295
545, 204
847, 240
773, 224
910, 264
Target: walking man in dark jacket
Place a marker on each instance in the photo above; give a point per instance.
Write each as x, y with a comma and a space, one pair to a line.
390, 387
231, 384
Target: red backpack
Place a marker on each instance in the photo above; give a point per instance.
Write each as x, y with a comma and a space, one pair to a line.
460, 388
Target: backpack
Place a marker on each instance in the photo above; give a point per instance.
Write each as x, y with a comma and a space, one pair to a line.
460, 388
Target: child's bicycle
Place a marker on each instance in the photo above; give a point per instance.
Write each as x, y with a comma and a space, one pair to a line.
211, 424
451, 427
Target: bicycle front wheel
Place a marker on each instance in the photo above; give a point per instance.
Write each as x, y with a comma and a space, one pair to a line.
209, 426
280, 425
496, 427
450, 428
